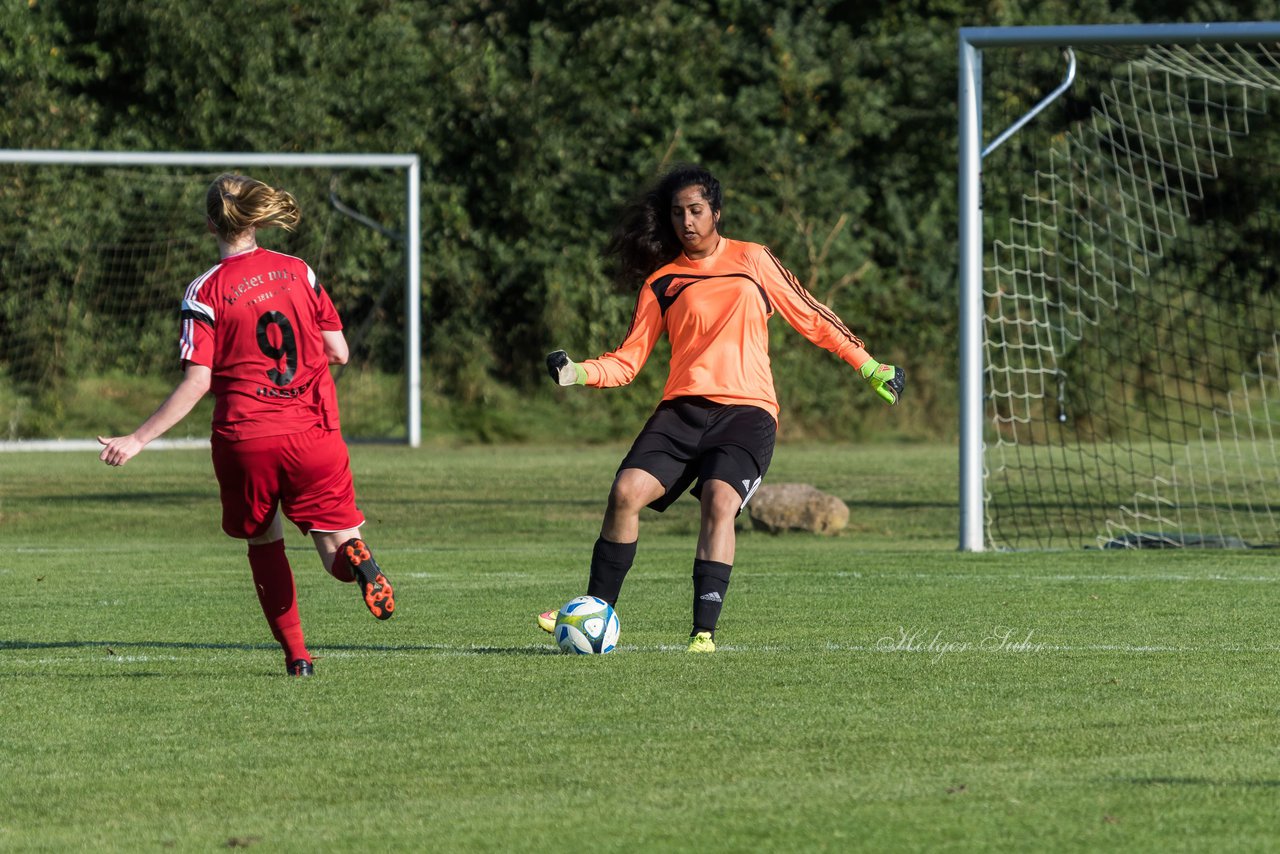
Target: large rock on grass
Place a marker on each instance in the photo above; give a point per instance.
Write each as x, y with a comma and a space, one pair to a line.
797, 507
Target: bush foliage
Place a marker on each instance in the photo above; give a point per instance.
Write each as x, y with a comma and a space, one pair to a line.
831, 125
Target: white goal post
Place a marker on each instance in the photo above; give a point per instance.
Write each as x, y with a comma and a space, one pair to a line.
1225, 72
410, 163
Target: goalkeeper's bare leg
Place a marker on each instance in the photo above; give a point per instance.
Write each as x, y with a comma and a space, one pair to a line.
615, 550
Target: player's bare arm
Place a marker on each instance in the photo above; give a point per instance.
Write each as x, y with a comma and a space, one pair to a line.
335, 346
195, 384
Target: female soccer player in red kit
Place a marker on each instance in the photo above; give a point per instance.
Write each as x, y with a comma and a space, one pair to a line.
260, 332
717, 421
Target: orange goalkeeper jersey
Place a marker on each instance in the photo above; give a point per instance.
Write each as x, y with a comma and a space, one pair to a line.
715, 311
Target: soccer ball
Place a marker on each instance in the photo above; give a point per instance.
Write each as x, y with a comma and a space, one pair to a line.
587, 626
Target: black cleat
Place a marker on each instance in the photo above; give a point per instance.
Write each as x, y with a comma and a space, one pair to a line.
374, 587
301, 667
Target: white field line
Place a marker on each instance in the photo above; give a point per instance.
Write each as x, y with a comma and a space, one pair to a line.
1077, 576
1124, 648
481, 574
93, 445
97, 656
94, 655
296, 545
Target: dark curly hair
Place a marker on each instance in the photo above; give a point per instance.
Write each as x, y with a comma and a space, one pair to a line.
644, 240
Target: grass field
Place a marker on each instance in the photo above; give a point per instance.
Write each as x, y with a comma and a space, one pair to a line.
874, 691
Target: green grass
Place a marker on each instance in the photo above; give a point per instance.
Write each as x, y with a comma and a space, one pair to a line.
862, 699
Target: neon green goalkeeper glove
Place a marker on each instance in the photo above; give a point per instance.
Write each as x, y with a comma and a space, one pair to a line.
886, 380
564, 371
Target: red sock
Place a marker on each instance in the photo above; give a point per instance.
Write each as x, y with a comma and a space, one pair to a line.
273, 579
340, 567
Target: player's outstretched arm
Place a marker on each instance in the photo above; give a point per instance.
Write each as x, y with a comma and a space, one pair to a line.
885, 380
563, 369
118, 450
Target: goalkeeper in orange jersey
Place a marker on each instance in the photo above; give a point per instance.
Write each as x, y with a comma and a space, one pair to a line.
716, 424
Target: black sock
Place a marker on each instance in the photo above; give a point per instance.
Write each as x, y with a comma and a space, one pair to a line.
609, 565
710, 584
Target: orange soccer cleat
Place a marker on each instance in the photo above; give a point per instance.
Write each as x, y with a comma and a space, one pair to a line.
374, 587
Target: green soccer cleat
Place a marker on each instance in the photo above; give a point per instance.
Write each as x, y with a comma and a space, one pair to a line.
547, 620
701, 642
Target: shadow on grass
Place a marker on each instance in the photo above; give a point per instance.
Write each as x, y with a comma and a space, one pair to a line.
1197, 781
110, 646
900, 505
125, 497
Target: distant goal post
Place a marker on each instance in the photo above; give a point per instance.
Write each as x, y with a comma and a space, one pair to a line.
321, 169
1098, 243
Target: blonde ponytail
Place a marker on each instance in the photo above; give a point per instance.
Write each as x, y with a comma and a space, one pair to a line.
236, 203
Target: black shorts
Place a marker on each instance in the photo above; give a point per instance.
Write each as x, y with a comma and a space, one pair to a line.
692, 438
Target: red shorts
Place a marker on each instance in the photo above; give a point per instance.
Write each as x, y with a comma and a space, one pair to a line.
308, 474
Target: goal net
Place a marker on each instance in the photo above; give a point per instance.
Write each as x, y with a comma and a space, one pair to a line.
1130, 351
96, 255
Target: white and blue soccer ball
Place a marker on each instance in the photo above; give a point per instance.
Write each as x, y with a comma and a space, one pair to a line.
587, 626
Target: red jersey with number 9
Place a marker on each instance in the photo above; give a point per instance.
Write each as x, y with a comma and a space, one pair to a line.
255, 320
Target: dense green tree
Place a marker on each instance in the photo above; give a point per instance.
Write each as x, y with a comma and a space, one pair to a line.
42, 72
832, 125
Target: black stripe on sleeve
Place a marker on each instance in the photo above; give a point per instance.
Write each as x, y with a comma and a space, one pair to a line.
197, 316
809, 300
